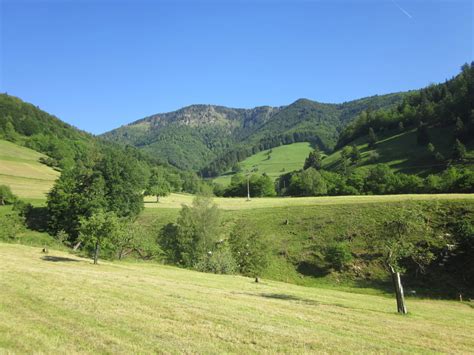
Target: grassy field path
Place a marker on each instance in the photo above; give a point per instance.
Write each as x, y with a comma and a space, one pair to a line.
63, 304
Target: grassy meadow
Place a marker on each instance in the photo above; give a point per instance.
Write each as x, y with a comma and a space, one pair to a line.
175, 200
298, 229
274, 162
21, 170
59, 303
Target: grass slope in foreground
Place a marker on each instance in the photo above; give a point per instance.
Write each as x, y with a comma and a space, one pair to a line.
60, 303
279, 161
21, 170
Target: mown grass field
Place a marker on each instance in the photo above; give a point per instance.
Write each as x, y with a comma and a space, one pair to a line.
21, 170
274, 162
239, 203
63, 304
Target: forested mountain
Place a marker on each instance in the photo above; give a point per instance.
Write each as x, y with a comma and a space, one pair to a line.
65, 146
212, 138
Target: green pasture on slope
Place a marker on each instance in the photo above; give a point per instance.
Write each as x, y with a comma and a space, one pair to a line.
21, 170
59, 303
274, 162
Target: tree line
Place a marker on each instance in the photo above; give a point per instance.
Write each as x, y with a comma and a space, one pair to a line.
449, 103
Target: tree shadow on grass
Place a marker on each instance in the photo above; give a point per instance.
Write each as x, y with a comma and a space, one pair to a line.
286, 297
36, 218
56, 259
309, 269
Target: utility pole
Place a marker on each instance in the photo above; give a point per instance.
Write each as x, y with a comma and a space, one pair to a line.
248, 187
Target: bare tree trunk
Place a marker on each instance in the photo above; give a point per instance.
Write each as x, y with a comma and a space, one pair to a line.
397, 284
78, 244
96, 252
2, 201
157, 198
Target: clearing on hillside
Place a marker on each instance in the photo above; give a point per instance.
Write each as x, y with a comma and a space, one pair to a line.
274, 162
21, 170
59, 303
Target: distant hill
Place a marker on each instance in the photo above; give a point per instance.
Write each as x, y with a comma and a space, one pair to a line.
26, 131
212, 138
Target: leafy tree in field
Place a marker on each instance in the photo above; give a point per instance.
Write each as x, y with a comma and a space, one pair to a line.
136, 239
99, 231
157, 185
314, 160
111, 182
6, 195
308, 183
194, 235
250, 250
338, 255
259, 185
218, 261
11, 225
459, 151
262, 186
405, 235
78, 193
124, 178
372, 138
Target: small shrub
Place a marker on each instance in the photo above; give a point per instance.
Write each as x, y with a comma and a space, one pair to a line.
338, 255
218, 262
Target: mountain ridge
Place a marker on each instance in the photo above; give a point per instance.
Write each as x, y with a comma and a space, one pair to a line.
194, 136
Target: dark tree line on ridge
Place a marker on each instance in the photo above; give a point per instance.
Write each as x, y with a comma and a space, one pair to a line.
449, 103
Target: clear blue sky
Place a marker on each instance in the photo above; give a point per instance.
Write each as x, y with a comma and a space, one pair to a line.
100, 64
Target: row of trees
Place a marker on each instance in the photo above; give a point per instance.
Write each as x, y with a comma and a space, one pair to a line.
241, 185
377, 180
197, 241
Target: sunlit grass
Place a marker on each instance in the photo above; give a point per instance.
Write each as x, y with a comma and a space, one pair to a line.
63, 304
177, 200
21, 170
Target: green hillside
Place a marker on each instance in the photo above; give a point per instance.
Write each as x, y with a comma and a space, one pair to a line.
21, 170
212, 138
299, 230
401, 151
172, 310
272, 162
